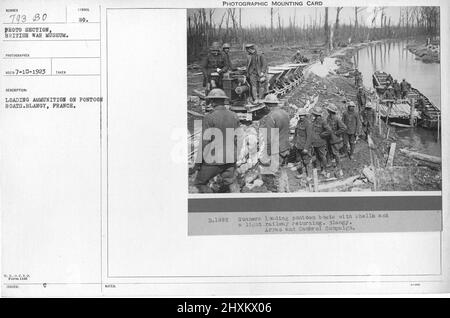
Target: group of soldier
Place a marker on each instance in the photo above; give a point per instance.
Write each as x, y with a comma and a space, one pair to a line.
327, 138
320, 134
218, 62
396, 90
299, 58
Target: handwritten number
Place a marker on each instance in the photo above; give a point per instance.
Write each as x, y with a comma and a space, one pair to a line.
22, 18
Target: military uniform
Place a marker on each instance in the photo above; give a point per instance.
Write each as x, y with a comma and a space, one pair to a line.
404, 87
228, 61
389, 80
361, 99
274, 156
358, 78
213, 164
256, 66
389, 96
353, 123
277, 118
320, 130
302, 143
368, 120
299, 58
335, 140
210, 64
397, 89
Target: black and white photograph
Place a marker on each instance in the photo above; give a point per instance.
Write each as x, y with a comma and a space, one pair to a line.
324, 99
216, 148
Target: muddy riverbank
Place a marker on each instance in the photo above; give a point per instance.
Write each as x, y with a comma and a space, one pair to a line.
426, 53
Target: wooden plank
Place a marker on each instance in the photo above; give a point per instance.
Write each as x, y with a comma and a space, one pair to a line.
194, 113
400, 125
199, 93
336, 184
390, 161
421, 156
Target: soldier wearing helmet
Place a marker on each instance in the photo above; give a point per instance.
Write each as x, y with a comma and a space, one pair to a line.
389, 96
353, 123
226, 53
218, 155
361, 98
214, 65
321, 131
368, 119
397, 89
321, 56
274, 141
256, 72
302, 143
358, 78
335, 141
299, 58
404, 87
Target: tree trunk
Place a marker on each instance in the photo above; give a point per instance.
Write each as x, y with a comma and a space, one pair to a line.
407, 22
271, 24
327, 32
421, 156
336, 27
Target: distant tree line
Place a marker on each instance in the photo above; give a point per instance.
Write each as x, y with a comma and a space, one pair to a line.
202, 30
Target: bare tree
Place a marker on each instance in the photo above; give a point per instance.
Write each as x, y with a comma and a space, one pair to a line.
271, 22
325, 26
336, 26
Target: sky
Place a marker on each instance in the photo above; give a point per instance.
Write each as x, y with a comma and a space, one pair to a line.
261, 16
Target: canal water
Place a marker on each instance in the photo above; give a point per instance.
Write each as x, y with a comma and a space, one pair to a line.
394, 58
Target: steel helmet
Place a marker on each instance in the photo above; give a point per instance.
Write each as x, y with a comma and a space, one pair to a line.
390, 86
332, 108
302, 112
217, 93
351, 104
271, 99
317, 111
249, 45
369, 105
226, 46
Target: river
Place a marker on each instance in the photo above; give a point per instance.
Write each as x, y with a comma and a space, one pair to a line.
394, 58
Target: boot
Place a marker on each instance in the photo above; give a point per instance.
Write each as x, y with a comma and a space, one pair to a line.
204, 189
300, 173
